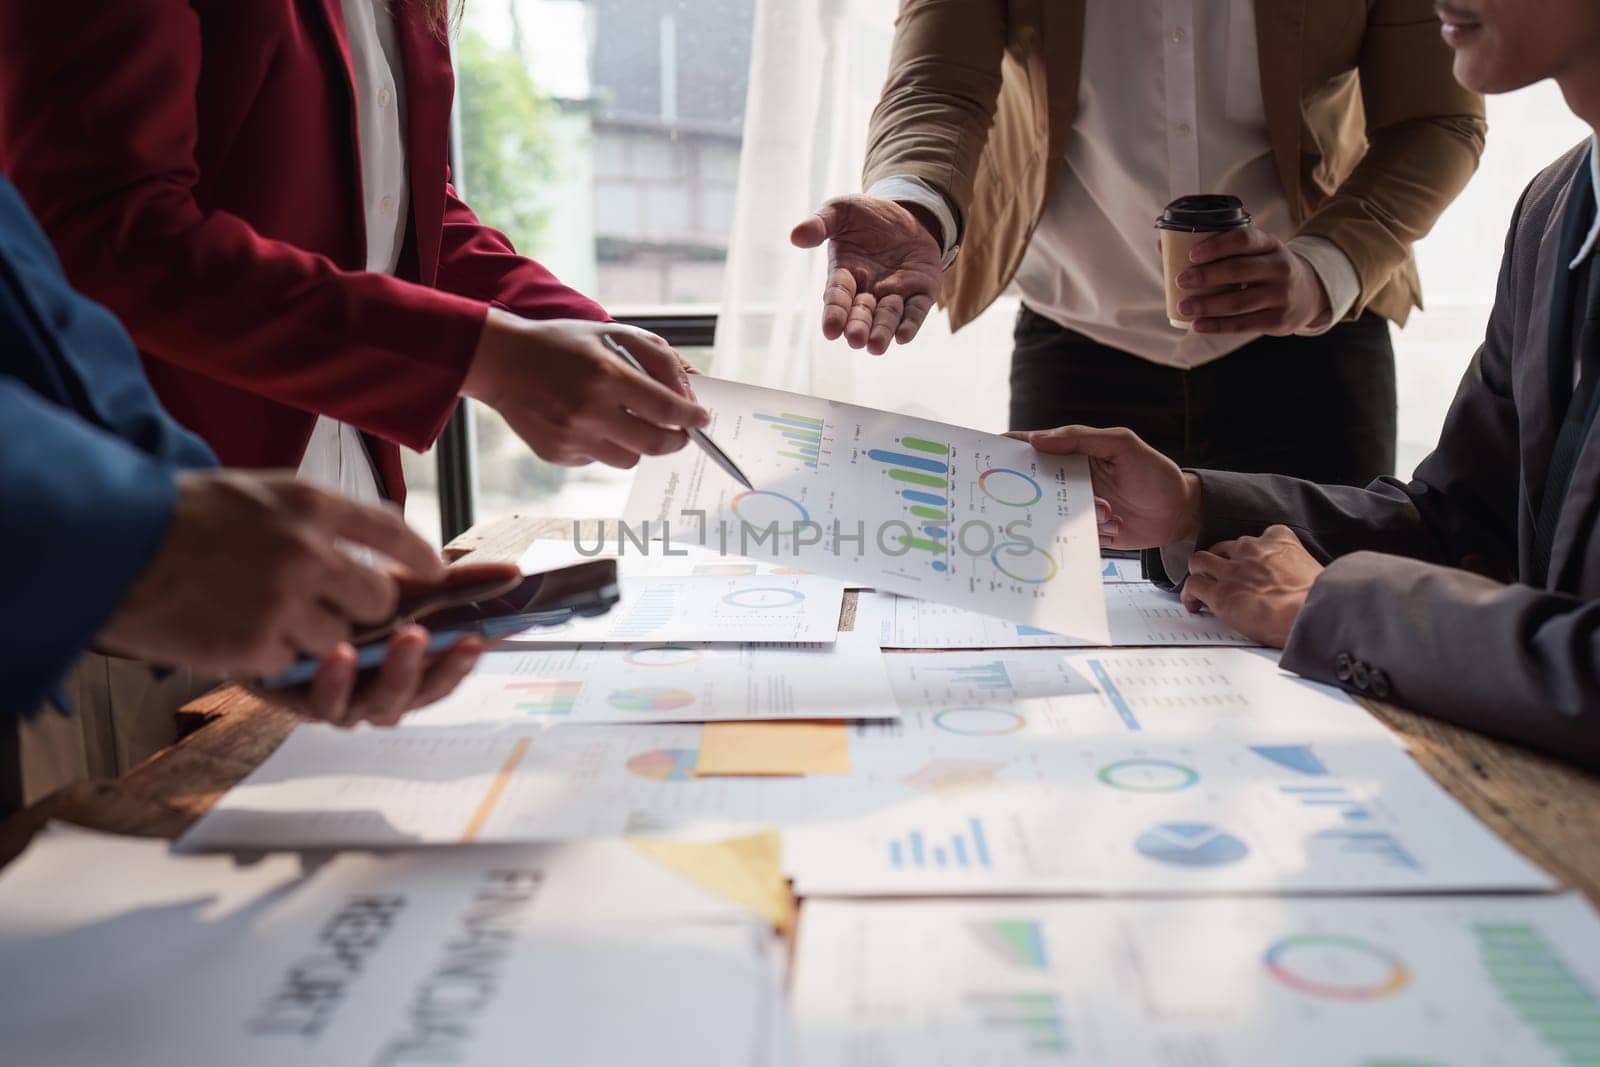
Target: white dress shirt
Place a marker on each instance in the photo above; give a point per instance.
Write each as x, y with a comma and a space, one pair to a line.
1169, 105
335, 456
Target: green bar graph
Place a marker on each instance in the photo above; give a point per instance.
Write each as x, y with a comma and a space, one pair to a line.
918, 479
923, 543
932, 514
923, 445
1536, 984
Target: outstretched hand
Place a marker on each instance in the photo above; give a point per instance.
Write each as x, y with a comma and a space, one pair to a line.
883, 270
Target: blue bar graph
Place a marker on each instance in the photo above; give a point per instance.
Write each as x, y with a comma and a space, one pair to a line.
965, 850
1113, 694
917, 496
800, 437
797, 421
983, 676
1328, 796
900, 459
1375, 843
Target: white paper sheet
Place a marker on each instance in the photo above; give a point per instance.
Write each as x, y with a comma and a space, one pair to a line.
905, 505
1488, 981
1149, 815
116, 952
1140, 614
672, 683
1022, 695
789, 607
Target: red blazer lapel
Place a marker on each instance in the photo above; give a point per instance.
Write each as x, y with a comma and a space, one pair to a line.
430, 89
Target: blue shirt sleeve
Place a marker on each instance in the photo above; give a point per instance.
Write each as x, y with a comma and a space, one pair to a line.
82, 513
88, 462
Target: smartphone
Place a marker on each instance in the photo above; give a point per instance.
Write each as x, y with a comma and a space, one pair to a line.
455, 610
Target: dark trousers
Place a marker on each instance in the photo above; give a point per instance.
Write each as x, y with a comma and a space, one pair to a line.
1321, 408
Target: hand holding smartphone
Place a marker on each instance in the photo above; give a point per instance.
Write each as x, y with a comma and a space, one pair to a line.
491, 601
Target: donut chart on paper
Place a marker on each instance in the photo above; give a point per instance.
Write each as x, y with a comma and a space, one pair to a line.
1336, 966
663, 656
1010, 487
979, 722
764, 598
1022, 562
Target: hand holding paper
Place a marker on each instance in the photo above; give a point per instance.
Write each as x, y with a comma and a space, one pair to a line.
910, 506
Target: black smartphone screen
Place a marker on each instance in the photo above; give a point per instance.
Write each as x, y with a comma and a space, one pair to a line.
587, 588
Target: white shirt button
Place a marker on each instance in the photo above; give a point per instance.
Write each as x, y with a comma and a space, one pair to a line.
1179, 35
385, 97
1184, 129
386, 205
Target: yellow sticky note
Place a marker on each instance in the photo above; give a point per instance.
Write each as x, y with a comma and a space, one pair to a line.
774, 748
745, 870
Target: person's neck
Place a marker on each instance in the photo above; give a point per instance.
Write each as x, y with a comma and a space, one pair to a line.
1582, 91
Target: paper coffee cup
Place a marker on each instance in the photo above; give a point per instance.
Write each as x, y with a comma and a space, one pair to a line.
1186, 222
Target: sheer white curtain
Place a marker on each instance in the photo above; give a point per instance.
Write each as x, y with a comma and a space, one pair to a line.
816, 69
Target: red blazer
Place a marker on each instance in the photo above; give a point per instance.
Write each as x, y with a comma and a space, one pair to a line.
195, 163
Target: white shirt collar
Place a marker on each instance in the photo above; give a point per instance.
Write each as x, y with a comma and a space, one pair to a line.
1593, 239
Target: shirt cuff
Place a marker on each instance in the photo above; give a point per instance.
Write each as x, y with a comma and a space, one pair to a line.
908, 190
1337, 275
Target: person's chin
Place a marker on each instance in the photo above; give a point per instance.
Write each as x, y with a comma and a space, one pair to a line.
1475, 68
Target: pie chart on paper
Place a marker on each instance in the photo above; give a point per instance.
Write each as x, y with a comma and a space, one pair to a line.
1191, 844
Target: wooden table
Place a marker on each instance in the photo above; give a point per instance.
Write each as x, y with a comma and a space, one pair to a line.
1551, 812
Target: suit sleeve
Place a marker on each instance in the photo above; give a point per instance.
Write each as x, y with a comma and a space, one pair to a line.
81, 515
1421, 585
99, 126
938, 104
479, 262
1425, 135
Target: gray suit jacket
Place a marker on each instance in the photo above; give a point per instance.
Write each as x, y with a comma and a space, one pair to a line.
1425, 599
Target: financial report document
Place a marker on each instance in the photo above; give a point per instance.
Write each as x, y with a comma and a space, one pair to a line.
905, 505
595, 953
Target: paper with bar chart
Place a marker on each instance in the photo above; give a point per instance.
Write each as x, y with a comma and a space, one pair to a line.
671, 683
905, 505
731, 609
1141, 616
998, 813
1512, 982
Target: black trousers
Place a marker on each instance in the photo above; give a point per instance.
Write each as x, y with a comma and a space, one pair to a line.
1320, 408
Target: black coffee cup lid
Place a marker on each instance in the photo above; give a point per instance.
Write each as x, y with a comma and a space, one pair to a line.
1203, 214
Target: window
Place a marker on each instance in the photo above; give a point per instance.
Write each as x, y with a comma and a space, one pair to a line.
602, 136
1460, 261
